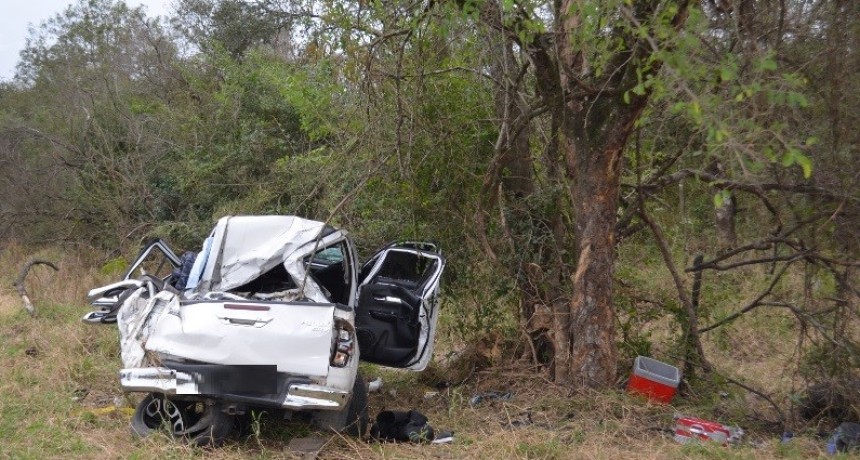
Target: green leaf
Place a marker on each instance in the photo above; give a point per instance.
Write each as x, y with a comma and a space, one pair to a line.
727, 74
797, 99
805, 163
769, 153
767, 63
695, 111
720, 198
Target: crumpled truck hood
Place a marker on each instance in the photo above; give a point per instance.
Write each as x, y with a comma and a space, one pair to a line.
245, 247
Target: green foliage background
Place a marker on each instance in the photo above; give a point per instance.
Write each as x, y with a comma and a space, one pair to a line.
381, 117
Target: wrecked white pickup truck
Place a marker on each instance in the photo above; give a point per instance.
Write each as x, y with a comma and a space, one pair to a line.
272, 314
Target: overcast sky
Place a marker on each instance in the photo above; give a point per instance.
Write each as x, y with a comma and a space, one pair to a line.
16, 16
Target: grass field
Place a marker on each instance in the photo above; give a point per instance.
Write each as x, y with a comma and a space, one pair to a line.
60, 398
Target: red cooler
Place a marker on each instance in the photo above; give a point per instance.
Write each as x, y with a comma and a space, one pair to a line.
654, 379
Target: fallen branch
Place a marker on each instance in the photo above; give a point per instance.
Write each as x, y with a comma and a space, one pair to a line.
19, 282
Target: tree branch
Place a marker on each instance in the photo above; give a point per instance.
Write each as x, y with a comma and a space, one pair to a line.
723, 183
21, 288
755, 303
692, 334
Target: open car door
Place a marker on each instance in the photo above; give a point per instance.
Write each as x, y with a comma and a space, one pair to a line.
152, 268
398, 305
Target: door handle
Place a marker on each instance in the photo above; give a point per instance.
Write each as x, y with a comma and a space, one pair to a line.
256, 322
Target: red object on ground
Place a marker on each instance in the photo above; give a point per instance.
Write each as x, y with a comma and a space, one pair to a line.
654, 379
689, 429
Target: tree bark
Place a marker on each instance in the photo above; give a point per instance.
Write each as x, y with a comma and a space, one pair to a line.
724, 214
595, 119
594, 171
597, 122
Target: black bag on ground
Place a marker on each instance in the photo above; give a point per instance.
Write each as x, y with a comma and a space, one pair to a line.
401, 426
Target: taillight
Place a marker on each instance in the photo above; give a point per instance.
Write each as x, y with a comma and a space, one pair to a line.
344, 344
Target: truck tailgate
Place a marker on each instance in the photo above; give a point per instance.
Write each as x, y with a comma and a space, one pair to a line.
297, 337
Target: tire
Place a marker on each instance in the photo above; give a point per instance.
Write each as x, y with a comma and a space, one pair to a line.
353, 419
196, 422
356, 418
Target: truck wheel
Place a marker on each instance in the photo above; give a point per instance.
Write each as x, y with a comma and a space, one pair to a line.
196, 422
353, 419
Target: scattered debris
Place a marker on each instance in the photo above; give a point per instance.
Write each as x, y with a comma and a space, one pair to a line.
80, 393
445, 437
374, 385
21, 288
690, 429
490, 395
524, 419
308, 448
846, 438
444, 384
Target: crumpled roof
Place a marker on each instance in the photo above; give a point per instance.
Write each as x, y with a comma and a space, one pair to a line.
245, 247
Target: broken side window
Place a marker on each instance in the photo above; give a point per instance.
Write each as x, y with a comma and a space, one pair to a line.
156, 260
330, 269
405, 268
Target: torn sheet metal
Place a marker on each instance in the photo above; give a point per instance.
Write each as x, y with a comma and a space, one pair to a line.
295, 337
137, 318
245, 247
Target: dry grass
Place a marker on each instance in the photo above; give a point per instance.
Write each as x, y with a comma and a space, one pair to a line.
58, 389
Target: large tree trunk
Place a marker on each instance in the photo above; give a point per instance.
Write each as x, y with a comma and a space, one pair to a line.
592, 319
594, 156
595, 114
597, 120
